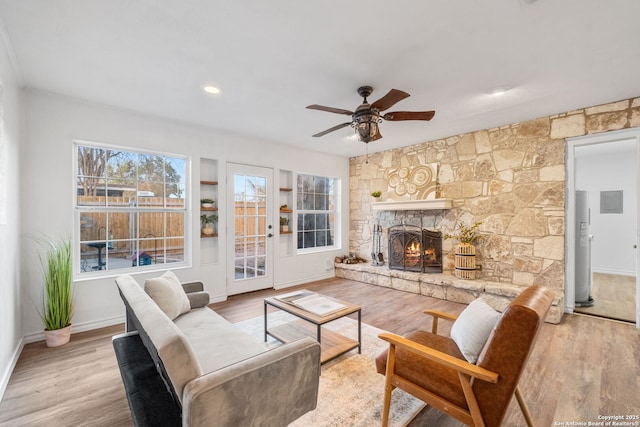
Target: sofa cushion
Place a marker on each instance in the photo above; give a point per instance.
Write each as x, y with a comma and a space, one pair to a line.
166, 291
473, 327
216, 342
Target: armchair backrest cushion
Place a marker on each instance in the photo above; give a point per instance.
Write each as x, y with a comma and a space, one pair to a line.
507, 350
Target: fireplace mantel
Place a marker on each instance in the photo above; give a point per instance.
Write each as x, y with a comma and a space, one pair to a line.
412, 205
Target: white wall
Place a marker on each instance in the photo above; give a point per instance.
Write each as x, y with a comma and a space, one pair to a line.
614, 234
53, 122
10, 293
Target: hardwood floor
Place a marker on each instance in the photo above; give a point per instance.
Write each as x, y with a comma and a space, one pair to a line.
614, 297
580, 369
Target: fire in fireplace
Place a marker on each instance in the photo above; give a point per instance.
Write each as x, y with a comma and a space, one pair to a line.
412, 248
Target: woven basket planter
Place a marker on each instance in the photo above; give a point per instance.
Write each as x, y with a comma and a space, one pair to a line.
465, 261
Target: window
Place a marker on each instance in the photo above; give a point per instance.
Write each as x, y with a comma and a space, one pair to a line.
316, 211
131, 208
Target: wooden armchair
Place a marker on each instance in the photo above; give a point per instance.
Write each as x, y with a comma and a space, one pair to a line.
432, 368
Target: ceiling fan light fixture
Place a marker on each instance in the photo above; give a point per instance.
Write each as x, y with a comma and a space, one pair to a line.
367, 126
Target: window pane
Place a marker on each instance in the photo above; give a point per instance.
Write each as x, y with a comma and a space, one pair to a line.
321, 222
307, 202
120, 255
92, 226
309, 222
174, 250
175, 224
321, 238
260, 266
309, 239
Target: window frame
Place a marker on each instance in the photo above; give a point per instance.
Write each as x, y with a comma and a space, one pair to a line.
336, 212
107, 210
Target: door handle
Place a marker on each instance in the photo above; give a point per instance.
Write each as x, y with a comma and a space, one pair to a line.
270, 235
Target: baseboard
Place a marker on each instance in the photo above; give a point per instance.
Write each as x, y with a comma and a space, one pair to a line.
6, 375
284, 285
614, 272
78, 327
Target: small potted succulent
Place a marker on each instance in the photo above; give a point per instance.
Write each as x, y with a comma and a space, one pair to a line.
206, 203
376, 195
207, 221
284, 224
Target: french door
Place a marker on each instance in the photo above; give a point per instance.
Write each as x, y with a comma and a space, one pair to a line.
250, 246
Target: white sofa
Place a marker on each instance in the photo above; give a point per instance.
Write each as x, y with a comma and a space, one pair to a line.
212, 373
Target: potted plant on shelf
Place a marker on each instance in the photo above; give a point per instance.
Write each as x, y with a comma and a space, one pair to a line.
376, 195
57, 309
465, 251
284, 208
284, 224
207, 221
206, 203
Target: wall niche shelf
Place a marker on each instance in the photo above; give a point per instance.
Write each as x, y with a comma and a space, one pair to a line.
285, 185
209, 244
412, 205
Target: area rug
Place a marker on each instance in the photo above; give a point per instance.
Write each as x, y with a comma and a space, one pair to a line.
351, 391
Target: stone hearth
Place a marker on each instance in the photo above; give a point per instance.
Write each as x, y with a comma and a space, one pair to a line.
444, 286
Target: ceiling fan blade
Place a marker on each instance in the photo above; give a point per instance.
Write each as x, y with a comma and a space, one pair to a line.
387, 101
330, 109
409, 115
336, 127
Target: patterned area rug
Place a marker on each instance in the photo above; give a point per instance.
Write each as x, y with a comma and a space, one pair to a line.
351, 391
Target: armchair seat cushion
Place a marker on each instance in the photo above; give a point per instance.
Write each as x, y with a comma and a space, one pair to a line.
423, 372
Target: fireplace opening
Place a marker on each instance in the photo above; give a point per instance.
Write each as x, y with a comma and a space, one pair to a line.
412, 248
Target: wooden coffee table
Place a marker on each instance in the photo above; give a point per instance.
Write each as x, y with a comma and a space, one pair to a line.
332, 343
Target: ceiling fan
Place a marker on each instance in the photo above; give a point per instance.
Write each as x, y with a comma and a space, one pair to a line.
367, 116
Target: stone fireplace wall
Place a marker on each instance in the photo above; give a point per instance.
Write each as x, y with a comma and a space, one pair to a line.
511, 178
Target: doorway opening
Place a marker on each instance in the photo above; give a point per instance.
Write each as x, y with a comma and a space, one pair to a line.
602, 226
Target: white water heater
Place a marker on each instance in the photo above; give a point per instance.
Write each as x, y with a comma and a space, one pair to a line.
583, 251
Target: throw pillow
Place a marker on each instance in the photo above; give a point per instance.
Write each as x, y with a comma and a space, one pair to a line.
472, 328
166, 291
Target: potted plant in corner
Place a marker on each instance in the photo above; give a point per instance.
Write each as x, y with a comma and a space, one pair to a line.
58, 299
207, 221
465, 251
376, 195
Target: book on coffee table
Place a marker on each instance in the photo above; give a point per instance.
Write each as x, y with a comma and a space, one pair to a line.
318, 304
312, 302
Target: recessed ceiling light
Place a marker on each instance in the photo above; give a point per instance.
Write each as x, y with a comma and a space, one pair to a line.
500, 90
211, 89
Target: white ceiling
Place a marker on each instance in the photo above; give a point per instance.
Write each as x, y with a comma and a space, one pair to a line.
273, 58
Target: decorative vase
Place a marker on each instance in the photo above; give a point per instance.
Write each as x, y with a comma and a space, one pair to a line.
57, 337
377, 199
207, 229
284, 228
465, 261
